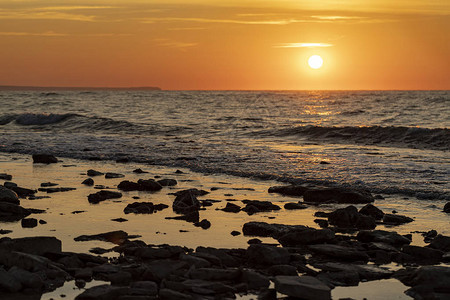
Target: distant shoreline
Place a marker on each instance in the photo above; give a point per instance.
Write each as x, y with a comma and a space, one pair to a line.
63, 88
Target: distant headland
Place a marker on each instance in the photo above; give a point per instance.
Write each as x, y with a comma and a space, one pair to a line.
64, 88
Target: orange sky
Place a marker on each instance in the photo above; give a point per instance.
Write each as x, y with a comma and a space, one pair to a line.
216, 44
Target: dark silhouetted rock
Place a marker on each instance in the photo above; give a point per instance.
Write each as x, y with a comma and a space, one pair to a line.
231, 207
235, 233
254, 280
44, 159
423, 254
29, 223
9, 196
127, 185
349, 217
261, 206
186, 202
447, 207
102, 196
110, 175
192, 217
139, 171
340, 252
116, 237
167, 182
381, 236
204, 224
307, 236
322, 223
292, 206
195, 192
265, 255
392, 219
94, 173
88, 182
338, 195
11, 212
23, 192
287, 270
149, 185
56, 190
37, 245
441, 242
372, 211
304, 287
289, 190
143, 208
264, 229
102, 292
8, 283
4, 176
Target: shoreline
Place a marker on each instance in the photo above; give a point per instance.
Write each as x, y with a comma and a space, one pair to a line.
96, 218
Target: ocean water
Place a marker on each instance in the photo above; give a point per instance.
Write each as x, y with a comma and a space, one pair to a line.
391, 142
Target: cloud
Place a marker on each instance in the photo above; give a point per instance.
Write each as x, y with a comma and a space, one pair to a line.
303, 45
48, 33
174, 44
28, 15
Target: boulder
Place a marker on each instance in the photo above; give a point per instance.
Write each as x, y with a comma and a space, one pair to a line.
338, 195
392, 219
264, 255
110, 175
185, 203
139, 171
372, 211
254, 280
88, 182
11, 212
27, 279
261, 206
29, 222
264, 229
116, 237
94, 173
340, 252
349, 217
149, 185
381, 236
427, 282
4, 176
304, 287
231, 207
289, 190
143, 208
447, 207
102, 196
102, 292
307, 236
44, 159
167, 182
423, 254
292, 205
22, 192
127, 185
8, 283
441, 242
204, 224
9, 196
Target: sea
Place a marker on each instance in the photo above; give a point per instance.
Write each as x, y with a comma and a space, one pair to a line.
389, 142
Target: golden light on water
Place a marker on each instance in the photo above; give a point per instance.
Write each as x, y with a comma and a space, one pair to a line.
315, 62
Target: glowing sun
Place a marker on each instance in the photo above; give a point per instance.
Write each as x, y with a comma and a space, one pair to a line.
315, 61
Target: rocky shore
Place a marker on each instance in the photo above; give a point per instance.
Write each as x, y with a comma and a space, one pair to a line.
345, 248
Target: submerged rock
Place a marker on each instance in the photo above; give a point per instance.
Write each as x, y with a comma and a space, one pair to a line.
116, 237
303, 287
392, 219
44, 159
338, 195
298, 205
102, 196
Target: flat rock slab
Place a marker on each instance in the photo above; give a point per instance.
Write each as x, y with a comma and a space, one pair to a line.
304, 287
264, 229
339, 252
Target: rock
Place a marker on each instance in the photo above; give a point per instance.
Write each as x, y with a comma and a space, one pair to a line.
143, 208
212, 274
441, 242
423, 254
8, 282
29, 223
23, 192
185, 203
56, 190
264, 255
447, 207
38, 245
307, 236
392, 219
304, 287
167, 182
44, 159
48, 184
116, 237
381, 236
290, 190
254, 280
102, 292
217, 256
88, 182
292, 206
287, 270
9, 184
372, 211
80, 283
27, 279
167, 294
94, 173
427, 282
194, 192
429, 236
103, 195
235, 233
340, 252
198, 262
4, 176
322, 223
254, 241
127, 185
339, 195
261, 206
149, 185
231, 207
9, 196
204, 224
110, 175
264, 229
139, 171
148, 288
11, 212
349, 217
192, 217
346, 273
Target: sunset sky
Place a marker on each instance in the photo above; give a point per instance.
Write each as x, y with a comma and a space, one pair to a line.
217, 44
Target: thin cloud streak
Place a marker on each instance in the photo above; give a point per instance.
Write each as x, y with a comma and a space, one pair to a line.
303, 45
49, 33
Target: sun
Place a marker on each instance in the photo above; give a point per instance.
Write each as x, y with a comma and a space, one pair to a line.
315, 62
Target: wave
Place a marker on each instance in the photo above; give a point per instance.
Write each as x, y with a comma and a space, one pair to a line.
410, 137
41, 119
